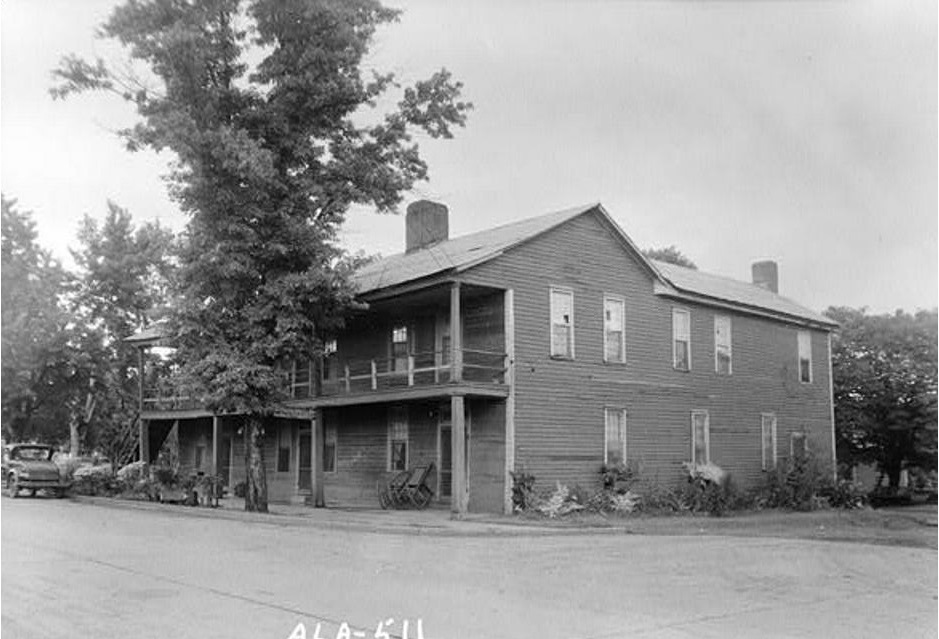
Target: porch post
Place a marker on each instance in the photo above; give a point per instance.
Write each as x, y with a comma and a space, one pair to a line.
456, 338
144, 426
319, 500
509, 310
216, 431
458, 493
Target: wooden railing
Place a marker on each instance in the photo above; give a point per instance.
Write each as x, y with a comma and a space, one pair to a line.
430, 368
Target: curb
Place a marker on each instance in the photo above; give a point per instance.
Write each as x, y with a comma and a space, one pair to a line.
451, 528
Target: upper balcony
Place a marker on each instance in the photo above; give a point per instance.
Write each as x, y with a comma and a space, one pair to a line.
398, 349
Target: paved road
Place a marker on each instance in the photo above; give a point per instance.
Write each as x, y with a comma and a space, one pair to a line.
80, 570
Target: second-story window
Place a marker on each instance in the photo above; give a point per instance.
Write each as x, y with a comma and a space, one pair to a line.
681, 339
723, 363
329, 366
805, 357
399, 348
614, 331
562, 323
301, 378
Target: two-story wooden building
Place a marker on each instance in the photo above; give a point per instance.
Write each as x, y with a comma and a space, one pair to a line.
550, 345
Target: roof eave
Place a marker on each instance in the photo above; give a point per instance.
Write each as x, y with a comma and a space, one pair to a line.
669, 290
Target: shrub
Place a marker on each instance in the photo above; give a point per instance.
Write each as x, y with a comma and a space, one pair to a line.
93, 480
617, 478
523, 491
845, 494
239, 489
559, 503
709, 489
801, 485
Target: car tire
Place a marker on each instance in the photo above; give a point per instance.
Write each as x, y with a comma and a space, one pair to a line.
12, 486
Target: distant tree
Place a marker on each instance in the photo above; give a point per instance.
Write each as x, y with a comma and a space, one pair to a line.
44, 370
276, 134
123, 278
884, 371
669, 254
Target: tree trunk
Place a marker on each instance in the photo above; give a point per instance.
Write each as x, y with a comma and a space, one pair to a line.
255, 476
74, 437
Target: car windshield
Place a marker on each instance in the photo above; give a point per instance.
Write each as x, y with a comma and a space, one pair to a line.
34, 453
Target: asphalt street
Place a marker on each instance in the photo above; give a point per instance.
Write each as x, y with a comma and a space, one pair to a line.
72, 569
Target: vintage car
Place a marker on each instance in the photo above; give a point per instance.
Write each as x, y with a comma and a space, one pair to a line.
30, 467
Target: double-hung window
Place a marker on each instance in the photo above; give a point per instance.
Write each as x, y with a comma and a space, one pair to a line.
330, 437
562, 323
723, 358
798, 447
768, 431
399, 348
614, 448
805, 357
700, 437
614, 329
398, 438
681, 339
330, 347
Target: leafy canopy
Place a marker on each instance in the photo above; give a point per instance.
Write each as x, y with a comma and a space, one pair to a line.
669, 254
276, 132
885, 379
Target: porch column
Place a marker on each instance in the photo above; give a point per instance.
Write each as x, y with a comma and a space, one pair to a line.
458, 493
319, 500
456, 337
509, 310
144, 427
216, 431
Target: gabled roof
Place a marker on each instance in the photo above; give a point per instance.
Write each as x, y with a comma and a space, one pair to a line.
730, 290
464, 252
458, 253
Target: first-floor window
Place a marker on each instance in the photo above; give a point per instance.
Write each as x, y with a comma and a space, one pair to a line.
797, 446
329, 448
700, 438
283, 450
614, 451
398, 439
769, 441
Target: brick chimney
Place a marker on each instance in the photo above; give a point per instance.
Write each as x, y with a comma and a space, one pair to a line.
427, 223
766, 275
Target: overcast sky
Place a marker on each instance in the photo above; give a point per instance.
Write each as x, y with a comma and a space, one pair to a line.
799, 131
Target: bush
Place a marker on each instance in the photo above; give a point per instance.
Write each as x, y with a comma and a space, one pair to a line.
523, 491
709, 489
803, 486
617, 478
239, 489
559, 503
846, 494
93, 480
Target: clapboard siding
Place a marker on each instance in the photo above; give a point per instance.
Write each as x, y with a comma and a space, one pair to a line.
560, 404
486, 456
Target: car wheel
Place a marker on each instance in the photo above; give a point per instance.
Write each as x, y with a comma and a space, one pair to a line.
13, 485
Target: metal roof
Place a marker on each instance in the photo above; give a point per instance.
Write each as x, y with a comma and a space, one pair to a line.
458, 253
469, 250
735, 291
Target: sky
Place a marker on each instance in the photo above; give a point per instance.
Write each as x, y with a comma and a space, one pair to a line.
804, 132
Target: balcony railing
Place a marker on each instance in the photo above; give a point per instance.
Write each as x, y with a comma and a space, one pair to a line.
432, 368
429, 368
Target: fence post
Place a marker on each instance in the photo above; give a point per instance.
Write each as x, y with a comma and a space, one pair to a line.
374, 376
410, 370
348, 383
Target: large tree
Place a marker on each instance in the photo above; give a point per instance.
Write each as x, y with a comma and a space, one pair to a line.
276, 133
44, 368
884, 376
124, 274
670, 254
